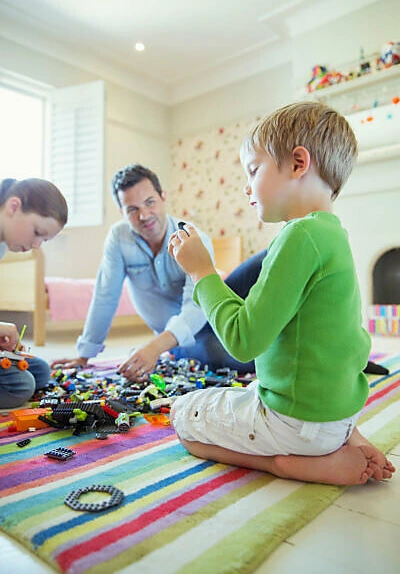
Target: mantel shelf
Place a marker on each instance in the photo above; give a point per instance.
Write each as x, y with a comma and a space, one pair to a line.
383, 75
379, 154
329, 95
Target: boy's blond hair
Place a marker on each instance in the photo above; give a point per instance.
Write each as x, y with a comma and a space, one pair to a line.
321, 130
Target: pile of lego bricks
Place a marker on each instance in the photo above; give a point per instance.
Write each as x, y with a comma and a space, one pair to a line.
103, 401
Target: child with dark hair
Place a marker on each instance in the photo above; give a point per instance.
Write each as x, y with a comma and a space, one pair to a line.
31, 211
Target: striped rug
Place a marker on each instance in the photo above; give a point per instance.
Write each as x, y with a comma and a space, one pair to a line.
179, 515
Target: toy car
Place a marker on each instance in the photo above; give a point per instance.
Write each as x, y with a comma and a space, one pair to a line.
18, 358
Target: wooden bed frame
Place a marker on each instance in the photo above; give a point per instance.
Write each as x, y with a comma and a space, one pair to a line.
22, 287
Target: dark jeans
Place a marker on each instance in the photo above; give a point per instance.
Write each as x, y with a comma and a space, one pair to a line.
18, 386
208, 349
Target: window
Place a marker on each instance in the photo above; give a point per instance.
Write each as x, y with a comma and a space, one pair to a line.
76, 150
57, 134
22, 123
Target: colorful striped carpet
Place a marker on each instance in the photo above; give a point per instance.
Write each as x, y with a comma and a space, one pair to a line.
179, 515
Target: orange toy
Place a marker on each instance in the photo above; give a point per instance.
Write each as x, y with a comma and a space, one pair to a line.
5, 363
7, 358
25, 419
157, 419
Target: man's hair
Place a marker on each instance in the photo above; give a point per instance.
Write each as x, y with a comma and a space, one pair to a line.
325, 134
37, 196
131, 175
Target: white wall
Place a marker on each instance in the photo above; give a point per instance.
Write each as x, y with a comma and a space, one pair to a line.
333, 44
339, 42
258, 95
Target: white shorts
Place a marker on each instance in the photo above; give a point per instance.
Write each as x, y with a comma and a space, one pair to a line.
236, 419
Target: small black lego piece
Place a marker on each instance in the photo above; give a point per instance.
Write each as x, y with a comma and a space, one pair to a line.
24, 442
116, 497
51, 422
60, 453
181, 225
375, 369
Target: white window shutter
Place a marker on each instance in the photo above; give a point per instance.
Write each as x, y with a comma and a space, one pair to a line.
77, 150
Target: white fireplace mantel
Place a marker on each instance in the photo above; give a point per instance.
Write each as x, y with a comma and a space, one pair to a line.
368, 83
379, 154
369, 208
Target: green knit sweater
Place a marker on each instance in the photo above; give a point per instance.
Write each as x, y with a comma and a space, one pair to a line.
301, 322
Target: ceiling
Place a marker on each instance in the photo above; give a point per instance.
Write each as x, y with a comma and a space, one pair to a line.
192, 46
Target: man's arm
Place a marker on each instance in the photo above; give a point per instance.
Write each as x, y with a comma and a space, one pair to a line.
104, 303
179, 330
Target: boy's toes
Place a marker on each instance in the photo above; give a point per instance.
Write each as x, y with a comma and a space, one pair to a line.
378, 473
367, 473
387, 474
379, 466
389, 466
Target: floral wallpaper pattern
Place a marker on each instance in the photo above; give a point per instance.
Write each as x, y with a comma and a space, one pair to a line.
207, 187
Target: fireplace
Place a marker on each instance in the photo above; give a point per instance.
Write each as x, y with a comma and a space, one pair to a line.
384, 313
386, 278
369, 208
369, 204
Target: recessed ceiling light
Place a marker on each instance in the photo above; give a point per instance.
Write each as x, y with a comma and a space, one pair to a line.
139, 47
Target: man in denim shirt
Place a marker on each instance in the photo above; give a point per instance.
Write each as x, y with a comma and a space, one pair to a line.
136, 249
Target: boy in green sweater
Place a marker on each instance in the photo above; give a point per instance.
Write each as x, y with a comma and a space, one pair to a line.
301, 321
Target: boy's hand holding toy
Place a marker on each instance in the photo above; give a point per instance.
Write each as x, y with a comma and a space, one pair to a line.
189, 251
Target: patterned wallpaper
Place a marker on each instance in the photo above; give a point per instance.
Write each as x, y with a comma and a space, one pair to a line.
207, 184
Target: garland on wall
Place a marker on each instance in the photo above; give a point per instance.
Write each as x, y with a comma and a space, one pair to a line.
207, 186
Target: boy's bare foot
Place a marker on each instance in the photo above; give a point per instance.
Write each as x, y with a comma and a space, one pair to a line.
353, 463
384, 468
348, 465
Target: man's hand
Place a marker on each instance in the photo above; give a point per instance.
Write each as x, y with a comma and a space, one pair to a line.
190, 252
139, 364
68, 363
143, 361
9, 336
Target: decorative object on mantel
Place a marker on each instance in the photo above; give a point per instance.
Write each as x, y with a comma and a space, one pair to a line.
323, 78
370, 82
390, 53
